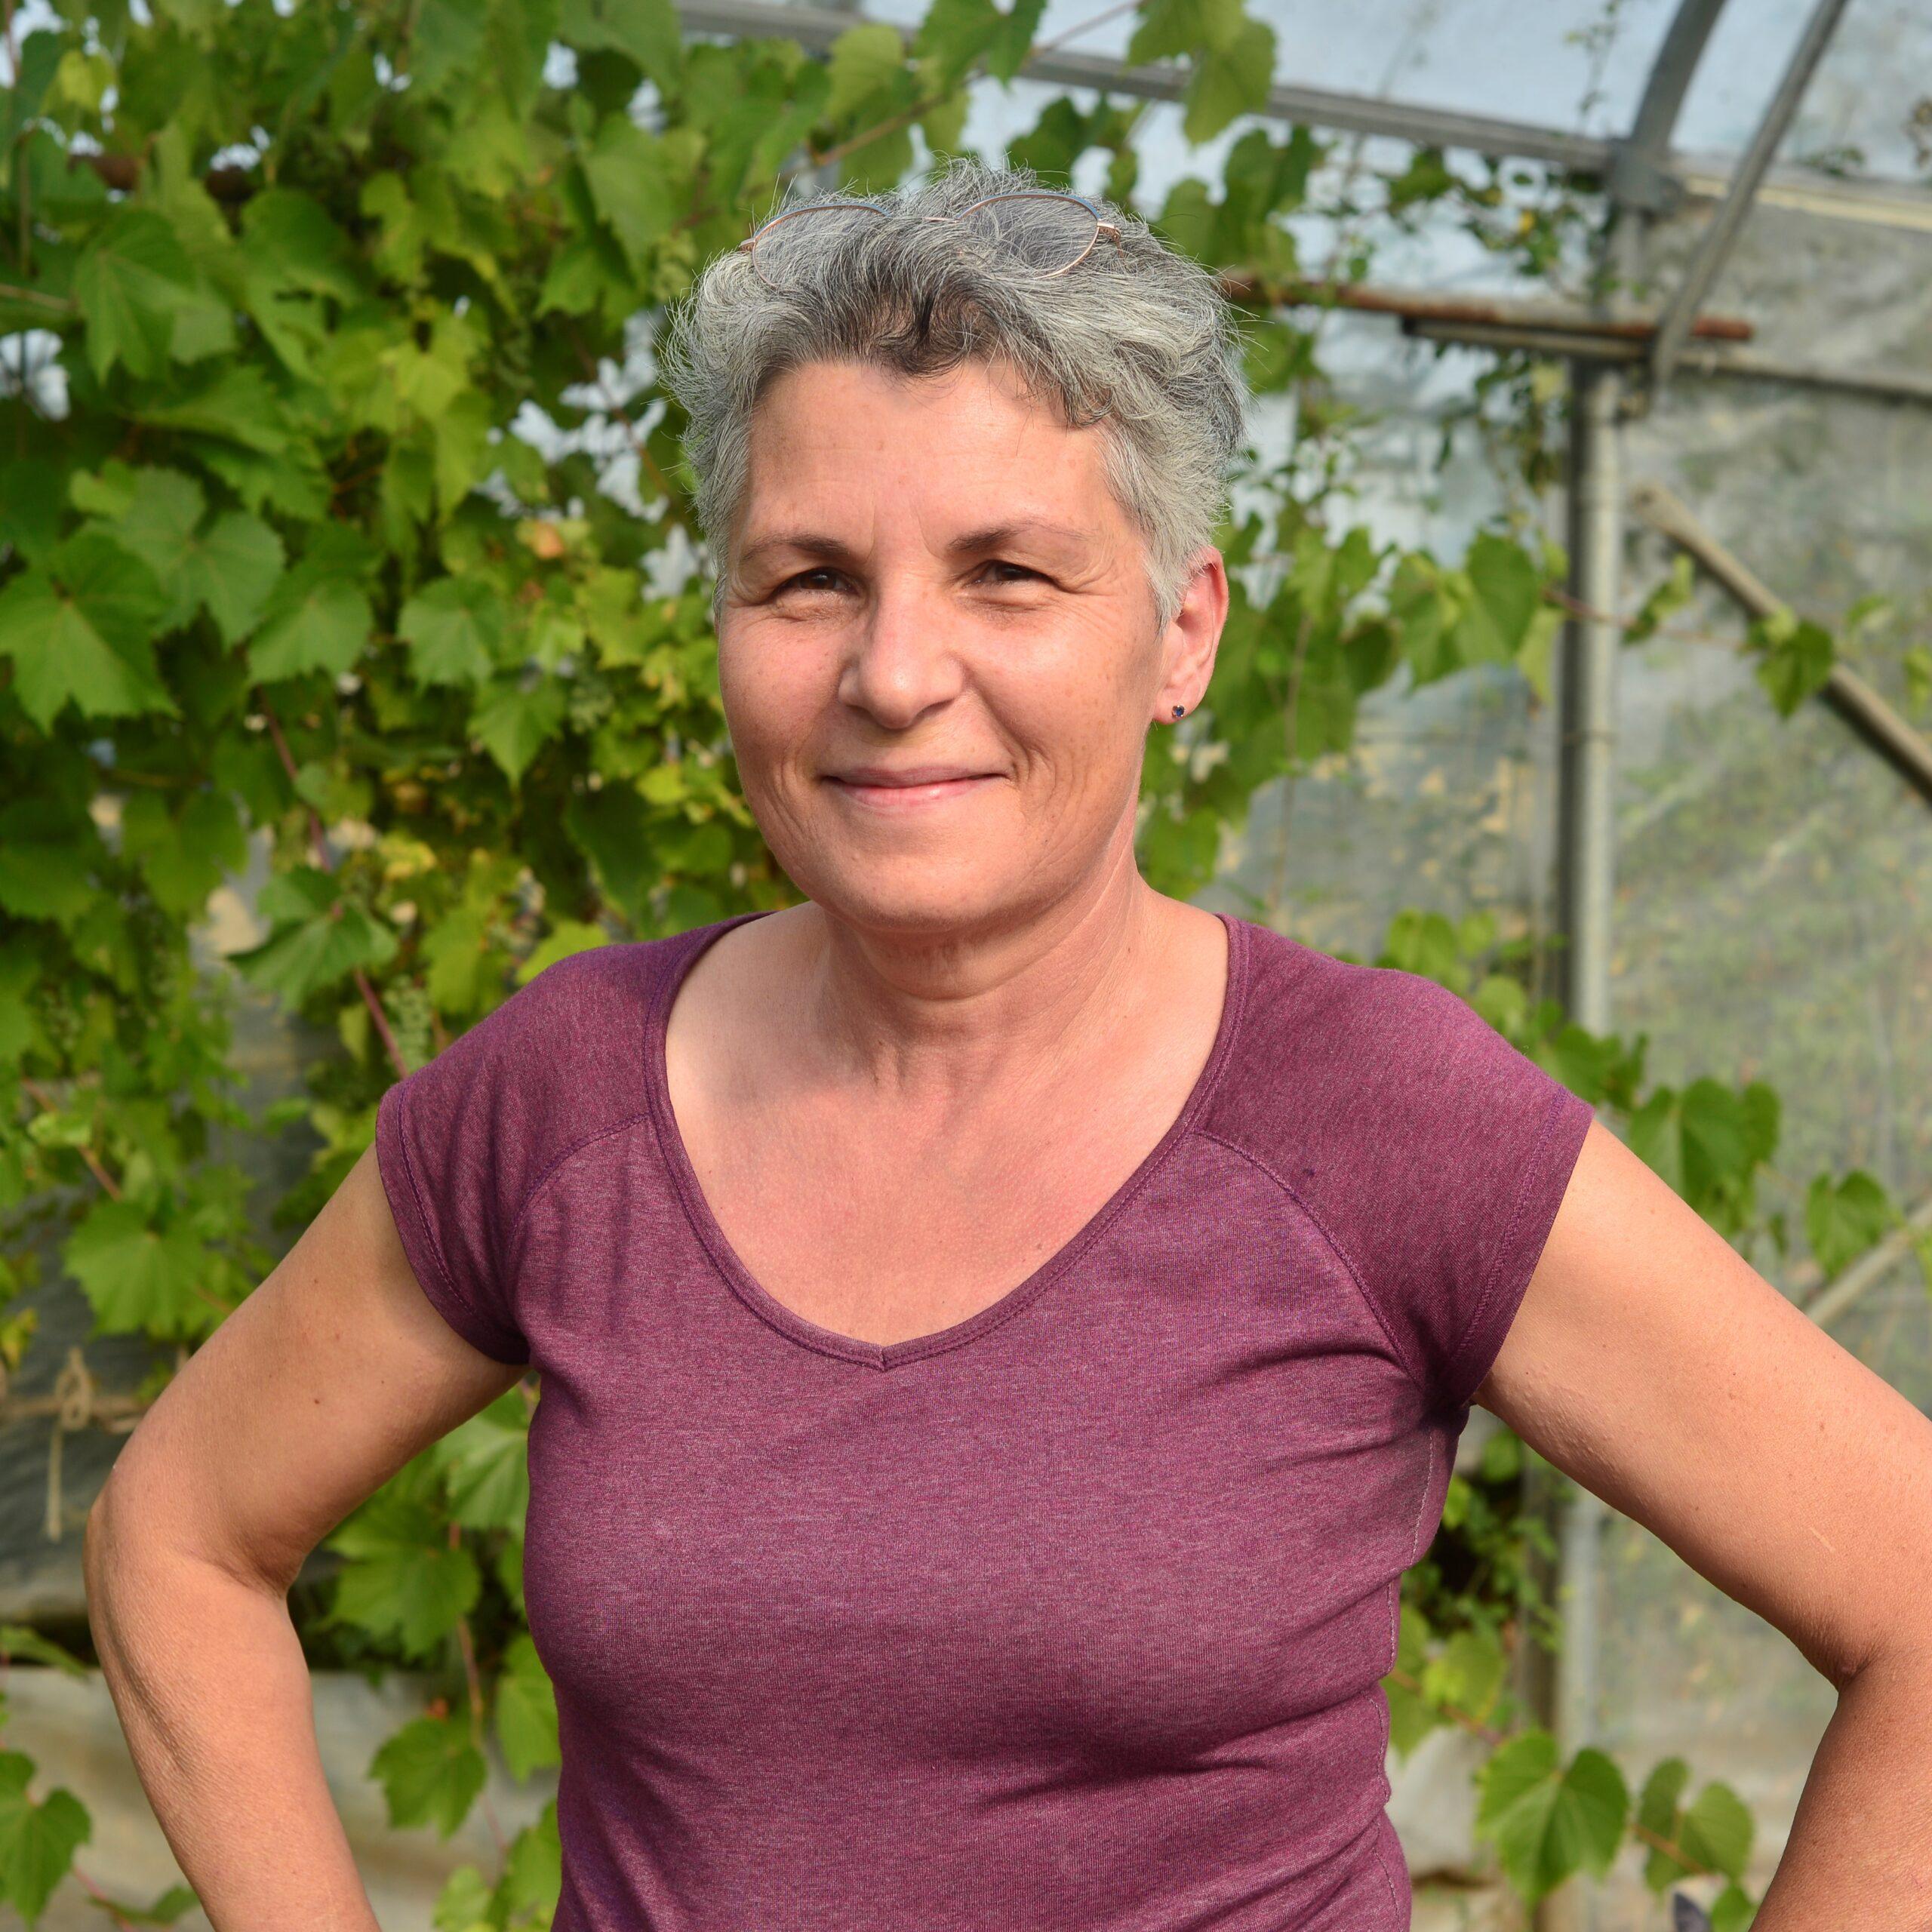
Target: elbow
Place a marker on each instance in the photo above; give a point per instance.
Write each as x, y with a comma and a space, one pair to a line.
97, 1565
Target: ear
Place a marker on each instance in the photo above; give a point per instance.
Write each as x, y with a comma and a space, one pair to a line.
1189, 644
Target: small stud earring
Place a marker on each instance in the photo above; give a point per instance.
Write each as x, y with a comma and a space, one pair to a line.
1179, 709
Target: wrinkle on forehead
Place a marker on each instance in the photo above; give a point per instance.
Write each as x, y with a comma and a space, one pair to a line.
1002, 451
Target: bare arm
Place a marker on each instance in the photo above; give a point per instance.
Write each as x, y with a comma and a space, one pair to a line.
1653, 1364
331, 1376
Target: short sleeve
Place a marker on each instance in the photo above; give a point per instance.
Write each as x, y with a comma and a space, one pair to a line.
438, 1132
1477, 1146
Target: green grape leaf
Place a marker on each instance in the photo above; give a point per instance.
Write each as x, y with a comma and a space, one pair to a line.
292, 240
485, 1462
1717, 1831
1467, 1674
507, 1567
316, 939
131, 281
526, 1710
137, 1276
313, 621
647, 30
1229, 82
234, 403
454, 629
1507, 588
1547, 1823
1796, 661
48, 857
533, 1873
513, 724
1714, 1834
1171, 29
1844, 1220
955, 34
1733, 1910
403, 1579
464, 1904
80, 628
447, 43
37, 1841
631, 184
31, 489
430, 1772
864, 59
157, 511
231, 567
610, 826
184, 858
1671, 593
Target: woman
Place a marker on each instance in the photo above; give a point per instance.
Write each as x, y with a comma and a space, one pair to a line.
1003, 1333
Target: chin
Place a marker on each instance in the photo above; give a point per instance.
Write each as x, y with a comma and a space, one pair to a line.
918, 893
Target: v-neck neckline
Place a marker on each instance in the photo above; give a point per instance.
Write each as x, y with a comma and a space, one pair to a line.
810, 1334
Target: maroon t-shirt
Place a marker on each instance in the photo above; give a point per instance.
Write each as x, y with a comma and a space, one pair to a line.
1070, 1617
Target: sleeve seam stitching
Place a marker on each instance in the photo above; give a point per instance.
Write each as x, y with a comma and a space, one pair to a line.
1530, 1168
428, 1221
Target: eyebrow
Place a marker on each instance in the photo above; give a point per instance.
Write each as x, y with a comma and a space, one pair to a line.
968, 544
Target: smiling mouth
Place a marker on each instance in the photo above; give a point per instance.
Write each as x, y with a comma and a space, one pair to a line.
910, 797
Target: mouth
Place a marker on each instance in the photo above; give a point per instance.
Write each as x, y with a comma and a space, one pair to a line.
910, 792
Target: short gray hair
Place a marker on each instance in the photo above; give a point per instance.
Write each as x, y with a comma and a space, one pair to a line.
1138, 338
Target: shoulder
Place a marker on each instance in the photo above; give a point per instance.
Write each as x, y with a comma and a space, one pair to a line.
1431, 1151
1331, 1050
558, 1063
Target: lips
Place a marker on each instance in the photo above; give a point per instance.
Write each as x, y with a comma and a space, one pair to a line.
910, 789
911, 774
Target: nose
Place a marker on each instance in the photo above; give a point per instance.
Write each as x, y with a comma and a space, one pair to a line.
902, 661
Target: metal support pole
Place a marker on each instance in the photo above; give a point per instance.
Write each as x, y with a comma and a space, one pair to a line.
1716, 243
1640, 176
1562, 1691
1586, 824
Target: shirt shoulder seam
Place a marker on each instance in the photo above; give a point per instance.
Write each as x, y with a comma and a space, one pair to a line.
1334, 1242
583, 1142
562, 1161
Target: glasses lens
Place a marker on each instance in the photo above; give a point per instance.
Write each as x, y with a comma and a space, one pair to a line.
1041, 232
781, 244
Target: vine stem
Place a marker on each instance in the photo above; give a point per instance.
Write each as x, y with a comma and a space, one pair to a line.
101, 1898
466, 1643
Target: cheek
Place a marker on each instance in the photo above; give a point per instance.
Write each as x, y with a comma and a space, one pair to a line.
773, 695
1071, 711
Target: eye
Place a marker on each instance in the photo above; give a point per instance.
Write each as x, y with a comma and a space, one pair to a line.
801, 581
1001, 564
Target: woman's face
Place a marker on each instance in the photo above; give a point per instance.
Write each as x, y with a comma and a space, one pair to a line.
931, 577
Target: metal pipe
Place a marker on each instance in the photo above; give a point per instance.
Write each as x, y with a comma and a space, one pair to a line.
1586, 842
1639, 176
1715, 245
816, 27
1502, 311
1715, 359
1862, 708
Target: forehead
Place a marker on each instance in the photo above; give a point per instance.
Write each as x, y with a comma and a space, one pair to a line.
835, 443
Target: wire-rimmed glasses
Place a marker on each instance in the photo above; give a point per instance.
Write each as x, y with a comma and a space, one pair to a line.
1040, 231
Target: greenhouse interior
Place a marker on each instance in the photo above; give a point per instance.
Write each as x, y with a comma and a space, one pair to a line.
1644, 287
